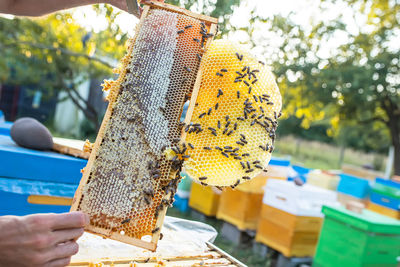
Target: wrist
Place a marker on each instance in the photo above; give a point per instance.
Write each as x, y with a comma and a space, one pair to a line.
9, 222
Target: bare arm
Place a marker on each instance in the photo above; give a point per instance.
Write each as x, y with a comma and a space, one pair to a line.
42, 7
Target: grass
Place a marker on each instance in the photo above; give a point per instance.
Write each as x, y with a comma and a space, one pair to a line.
317, 155
242, 252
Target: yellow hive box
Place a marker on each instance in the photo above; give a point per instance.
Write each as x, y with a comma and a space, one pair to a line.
323, 179
384, 210
289, 234
242, 206
204, 199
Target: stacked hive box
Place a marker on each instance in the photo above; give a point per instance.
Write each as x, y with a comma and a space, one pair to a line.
26, 190
349, 239
385, 198
323, 179
242, 206
291, 217
352, 188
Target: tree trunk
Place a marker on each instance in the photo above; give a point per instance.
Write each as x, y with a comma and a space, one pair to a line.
88, 110
341, 155
396, 145
393, 113
393, 124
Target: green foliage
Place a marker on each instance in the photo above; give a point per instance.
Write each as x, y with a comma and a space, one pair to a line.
355, 85
292, 125
54, 54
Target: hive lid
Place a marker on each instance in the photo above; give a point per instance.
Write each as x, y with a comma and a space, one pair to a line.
307, 190
306, 200
23, 163
367, 221
279, 162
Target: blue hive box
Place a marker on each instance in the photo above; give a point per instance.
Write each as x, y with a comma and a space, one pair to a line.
26, 172
15, 193
22, 163
386, 193
353, 186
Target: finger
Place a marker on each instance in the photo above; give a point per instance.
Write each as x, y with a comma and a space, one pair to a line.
59, 262
61, 236
61, 251
74, 219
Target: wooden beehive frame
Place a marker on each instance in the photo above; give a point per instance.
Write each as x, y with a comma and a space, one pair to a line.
212, 256
212, 24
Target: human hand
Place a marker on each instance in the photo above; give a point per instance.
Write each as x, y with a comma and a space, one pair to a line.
40, 239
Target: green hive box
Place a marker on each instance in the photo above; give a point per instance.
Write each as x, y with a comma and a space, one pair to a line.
349, 239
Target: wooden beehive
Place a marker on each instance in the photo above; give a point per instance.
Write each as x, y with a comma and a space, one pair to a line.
242, 206
204, 199
289, 234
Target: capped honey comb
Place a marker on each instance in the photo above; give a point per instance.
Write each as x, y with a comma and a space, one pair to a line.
232, 129
128, 181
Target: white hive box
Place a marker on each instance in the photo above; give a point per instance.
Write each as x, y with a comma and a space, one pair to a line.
306, 200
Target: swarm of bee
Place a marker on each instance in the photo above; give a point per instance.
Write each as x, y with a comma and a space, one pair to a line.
231, 134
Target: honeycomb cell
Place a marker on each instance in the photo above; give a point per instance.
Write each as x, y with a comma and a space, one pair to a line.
233, 125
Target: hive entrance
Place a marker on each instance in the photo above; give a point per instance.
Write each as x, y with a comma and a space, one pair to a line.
128, 182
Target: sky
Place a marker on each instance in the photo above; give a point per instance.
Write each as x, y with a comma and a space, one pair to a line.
306, 11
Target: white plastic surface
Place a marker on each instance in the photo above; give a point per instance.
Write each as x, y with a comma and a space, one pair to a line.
306, 200
180, 238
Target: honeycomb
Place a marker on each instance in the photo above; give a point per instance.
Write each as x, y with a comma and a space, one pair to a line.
128, 181
232, 130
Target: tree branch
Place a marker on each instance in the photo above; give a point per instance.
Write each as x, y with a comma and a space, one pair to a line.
88, 106
88, 114
65, 52
373, 119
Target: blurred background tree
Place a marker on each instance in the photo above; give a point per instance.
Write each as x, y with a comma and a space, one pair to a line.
55, 54
338, 72
354, 86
